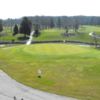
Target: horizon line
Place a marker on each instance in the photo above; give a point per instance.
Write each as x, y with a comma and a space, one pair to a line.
48, 16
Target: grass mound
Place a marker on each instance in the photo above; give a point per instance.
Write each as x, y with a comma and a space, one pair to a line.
68, 70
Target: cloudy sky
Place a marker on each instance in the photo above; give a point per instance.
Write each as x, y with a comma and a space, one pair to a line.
19, 8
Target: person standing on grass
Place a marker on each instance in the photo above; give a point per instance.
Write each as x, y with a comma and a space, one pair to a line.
15, 98
39, 72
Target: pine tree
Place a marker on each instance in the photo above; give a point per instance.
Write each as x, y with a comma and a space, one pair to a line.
15, 30
59, 22
25, 26
51, 23
36, 30
1, 26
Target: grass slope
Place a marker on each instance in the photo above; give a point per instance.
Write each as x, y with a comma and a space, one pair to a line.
68, 70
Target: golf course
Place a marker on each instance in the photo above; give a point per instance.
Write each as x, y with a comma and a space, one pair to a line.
67, 69
50, 50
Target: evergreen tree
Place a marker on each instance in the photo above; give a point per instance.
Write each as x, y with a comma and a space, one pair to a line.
15, 30
76, 25
36, 30
59, 22
51, 23
1, 26
66, 28
25, 26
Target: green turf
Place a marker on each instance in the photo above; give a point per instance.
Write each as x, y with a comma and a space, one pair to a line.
84, 31
55, 34
68, 70
82, 34
51, 34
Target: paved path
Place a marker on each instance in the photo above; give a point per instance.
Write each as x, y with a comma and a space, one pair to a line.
30, 38
10, 88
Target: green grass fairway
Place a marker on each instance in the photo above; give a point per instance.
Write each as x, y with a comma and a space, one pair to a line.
51, 34
68, 70
82, 34
55, 34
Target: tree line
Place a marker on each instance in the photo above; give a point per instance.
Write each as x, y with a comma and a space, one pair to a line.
25, 27
43, 22
56, 21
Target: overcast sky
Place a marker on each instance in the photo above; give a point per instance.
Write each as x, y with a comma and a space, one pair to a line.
20, 8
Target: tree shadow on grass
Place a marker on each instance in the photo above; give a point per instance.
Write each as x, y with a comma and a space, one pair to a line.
21, 38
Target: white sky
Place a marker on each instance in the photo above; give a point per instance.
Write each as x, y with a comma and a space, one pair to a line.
20, 8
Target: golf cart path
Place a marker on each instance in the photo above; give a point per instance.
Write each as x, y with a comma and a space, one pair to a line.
10, 88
